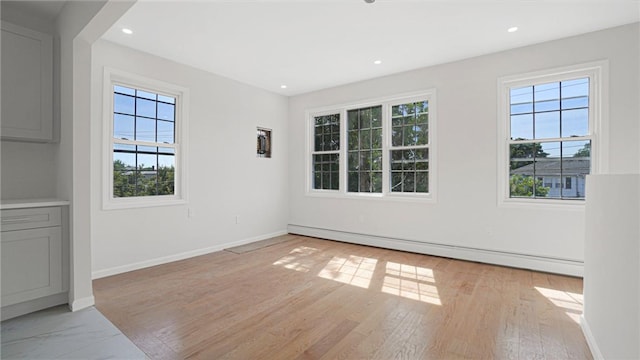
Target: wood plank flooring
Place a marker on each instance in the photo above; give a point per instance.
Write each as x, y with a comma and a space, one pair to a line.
307, 298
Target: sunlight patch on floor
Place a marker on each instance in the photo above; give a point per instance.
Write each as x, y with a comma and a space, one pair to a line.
411, 282
569, 301
299, 259
353, 270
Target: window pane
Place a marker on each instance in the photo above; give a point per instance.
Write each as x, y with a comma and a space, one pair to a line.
576, 165
575, 88
544, 92
147, 161
550, 169
576, 102
376, 117
575, 122
123, 104
167, 99
364, 150
123, 126
326, 172
145, 108
327, 133
145, 129
166, 181
124, 90
124, 161
547, 125
523, 95
522, 127
422, 182
548, 166
124, 183
166, 161
146, 95
166, 132
143, 170
146, 183
166, 111
409, 170
548, 105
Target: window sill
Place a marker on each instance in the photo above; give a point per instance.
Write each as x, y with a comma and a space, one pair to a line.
398, 197
576, 205
133, 203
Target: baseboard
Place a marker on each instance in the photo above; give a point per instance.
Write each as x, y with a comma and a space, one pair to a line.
181, 256
82, 303
525, 261
591, 341
19, 309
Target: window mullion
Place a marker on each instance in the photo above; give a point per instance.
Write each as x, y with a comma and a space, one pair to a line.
386, 145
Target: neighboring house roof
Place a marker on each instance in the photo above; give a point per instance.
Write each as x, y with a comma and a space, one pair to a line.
552, 167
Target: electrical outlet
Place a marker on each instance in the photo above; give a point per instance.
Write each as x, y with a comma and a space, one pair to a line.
190, 212
237, 219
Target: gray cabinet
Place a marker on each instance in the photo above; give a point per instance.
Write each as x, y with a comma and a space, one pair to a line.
27, 84
34, 262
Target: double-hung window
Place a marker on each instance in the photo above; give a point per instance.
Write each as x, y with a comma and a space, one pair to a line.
550, 124
326, 152
380, 149
144, 124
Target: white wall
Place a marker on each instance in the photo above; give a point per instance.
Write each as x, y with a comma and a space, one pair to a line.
612, 266
78, 25
466, 213
225, 177
28, 169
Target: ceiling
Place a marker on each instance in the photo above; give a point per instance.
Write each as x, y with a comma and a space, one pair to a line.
47, 10
310, 45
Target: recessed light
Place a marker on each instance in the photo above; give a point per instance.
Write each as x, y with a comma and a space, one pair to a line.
283, 86
127, 31
512, 29
378, 62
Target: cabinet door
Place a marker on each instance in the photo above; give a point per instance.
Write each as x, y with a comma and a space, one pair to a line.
27, 84
31, 264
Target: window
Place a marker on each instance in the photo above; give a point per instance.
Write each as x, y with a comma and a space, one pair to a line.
326, 152
550, 122
410, 147
365, 149
144, 122
387, 145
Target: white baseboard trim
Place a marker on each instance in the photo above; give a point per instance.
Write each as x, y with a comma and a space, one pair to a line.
181, 256
82, 303
539, 263
591, 341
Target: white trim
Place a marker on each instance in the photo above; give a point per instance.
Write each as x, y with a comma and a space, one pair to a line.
597, 72
82, 303
591, 341
386, 103
181, 256
19, 309
569, 267
113, 76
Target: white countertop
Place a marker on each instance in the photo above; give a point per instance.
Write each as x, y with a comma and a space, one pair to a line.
31, 203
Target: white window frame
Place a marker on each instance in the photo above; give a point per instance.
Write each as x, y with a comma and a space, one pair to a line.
181, 94
386, 103
312, 150
597, 72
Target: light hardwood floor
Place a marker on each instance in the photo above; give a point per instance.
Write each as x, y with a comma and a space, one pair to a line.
309, 298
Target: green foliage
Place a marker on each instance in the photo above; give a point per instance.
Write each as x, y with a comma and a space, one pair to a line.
522, 186
584, 152
129, 181
525, 151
